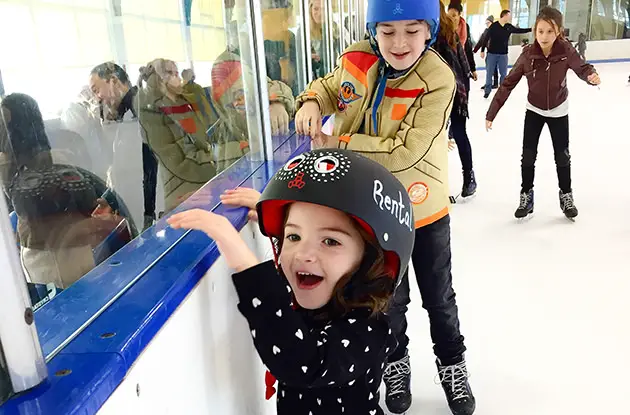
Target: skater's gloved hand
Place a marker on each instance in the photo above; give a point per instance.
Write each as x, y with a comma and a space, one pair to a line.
231, 246
474, 76
488, 125
593, 79
243, 196
308, 120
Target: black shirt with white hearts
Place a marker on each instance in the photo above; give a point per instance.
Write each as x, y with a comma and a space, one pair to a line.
322, 367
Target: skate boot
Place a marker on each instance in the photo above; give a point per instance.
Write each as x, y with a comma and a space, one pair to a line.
454, 380
470, 184
397, 380
526, 206
148, 222
567, 205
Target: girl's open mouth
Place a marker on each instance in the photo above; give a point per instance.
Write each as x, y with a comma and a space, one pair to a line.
308, 281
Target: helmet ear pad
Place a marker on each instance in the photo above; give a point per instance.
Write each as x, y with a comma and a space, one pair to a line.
272, 216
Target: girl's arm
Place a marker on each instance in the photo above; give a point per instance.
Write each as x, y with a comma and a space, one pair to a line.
298, 355
504, 91
422, 124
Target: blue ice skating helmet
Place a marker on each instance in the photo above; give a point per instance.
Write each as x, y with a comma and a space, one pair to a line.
395, 10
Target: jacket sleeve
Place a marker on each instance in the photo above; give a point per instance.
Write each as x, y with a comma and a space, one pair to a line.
324, 91
468, 47
422, 125
483, 41
518, 30
281, 93
582, 69
293, 351
508, 84
190, 161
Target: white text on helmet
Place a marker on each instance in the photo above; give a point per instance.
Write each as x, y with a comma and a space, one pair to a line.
393, 206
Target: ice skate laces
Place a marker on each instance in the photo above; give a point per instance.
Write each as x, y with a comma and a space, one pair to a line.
524, 200
567, 201
396, 375
455, 377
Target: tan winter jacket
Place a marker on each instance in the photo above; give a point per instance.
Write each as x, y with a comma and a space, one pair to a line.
410, 137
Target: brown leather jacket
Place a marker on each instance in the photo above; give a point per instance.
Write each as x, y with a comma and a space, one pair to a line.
546, 77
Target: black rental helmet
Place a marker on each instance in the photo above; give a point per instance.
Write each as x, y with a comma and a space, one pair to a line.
346, 181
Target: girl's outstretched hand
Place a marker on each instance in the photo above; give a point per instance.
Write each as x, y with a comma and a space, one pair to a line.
236, 253
593, 79
488, 125
245, 197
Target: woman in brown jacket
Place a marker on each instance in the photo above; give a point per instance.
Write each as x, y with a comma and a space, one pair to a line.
545, 64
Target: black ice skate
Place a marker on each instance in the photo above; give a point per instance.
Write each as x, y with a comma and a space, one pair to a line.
470, 184
567, 205
454, 380
526, 206
397, 380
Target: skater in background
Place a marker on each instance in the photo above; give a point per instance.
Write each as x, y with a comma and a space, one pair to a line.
481, 45
316, 313
497, 42
392, 96
581, 46
545, 64
450, 46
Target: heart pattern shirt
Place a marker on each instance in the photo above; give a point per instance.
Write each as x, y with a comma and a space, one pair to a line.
322, 367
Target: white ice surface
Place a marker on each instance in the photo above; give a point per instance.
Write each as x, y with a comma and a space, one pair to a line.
544, 304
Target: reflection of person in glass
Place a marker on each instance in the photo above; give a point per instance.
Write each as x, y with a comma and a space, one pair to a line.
64, 212
228, 90
182, 133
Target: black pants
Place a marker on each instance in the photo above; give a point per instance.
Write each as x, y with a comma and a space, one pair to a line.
149, 182
559, 129
431, 259
459, 134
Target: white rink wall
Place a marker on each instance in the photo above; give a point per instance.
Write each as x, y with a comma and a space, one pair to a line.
203, 360
616, 49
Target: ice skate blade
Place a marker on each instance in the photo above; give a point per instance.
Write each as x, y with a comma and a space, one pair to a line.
526, 218
458, 198
572, 220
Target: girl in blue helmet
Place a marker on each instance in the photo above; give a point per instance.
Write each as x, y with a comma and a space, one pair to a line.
392, 96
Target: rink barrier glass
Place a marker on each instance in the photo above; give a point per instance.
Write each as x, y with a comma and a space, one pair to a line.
136, 95
91, 366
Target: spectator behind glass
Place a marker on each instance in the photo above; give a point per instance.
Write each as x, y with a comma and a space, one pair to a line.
65, 213
319, 51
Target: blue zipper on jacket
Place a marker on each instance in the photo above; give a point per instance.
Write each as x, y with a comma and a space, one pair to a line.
380, 92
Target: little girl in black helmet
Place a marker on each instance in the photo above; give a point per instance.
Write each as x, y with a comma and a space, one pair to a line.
341, 257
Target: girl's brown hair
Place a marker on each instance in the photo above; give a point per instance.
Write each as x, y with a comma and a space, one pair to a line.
552, 16
447, 28
369, 287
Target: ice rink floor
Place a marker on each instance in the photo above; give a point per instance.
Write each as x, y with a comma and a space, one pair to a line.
544, 305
